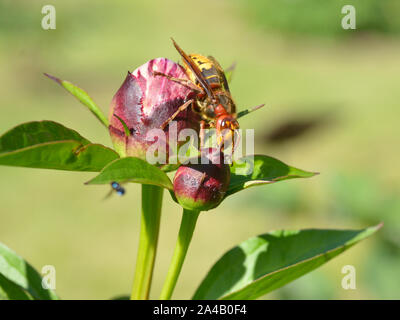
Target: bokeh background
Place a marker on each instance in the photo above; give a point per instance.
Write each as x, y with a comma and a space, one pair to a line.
332, 99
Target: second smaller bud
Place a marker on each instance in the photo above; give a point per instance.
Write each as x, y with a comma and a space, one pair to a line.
202, 186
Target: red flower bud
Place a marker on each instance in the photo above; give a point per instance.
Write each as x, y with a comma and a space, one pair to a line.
145, 102
202, 186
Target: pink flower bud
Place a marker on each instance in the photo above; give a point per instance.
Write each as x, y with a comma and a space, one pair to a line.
144, 102
202, 186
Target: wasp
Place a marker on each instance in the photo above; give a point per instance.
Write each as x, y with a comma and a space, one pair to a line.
213, 100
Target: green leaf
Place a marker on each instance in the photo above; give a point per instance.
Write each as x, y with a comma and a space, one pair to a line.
50, 145
131, 169
10, 291
83, 97
249, 171
37, 132
20, 273
267, 262
124, 125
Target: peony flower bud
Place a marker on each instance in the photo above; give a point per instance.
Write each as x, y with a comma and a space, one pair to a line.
202, 186
144, 102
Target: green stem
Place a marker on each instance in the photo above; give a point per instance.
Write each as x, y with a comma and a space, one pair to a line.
189, 219
149, 230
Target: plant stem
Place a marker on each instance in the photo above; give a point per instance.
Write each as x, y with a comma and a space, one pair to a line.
189, 219
149, 230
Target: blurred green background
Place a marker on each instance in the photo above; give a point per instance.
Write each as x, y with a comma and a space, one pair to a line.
332, 99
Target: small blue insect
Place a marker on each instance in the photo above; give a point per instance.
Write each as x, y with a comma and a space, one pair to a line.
118, 189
